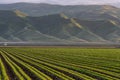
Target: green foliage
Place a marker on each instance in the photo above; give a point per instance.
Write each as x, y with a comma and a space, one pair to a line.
3, 73
64, 63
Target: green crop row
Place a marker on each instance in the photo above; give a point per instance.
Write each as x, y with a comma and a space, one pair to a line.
39, 74
52, 71
3, 72
60, 68
103, 71
61, 63
17, 70
71, 65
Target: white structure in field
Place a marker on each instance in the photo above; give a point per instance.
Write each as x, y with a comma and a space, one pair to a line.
5, 44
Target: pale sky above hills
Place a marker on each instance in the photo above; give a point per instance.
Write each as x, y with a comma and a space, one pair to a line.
67, 2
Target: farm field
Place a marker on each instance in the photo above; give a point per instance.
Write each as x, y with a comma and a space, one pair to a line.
52, 63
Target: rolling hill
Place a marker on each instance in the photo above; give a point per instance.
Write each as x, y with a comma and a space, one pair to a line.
18, 26
42, 9
56, 23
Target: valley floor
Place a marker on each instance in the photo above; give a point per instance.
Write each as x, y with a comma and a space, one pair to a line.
59, 63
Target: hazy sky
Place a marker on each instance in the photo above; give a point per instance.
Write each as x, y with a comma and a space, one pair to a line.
63, 1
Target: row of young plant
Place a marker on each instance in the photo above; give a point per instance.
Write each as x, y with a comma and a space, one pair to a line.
104, 69
54, 69
88, 71
20, 74
102, 62
93, 72
38, 74
33, 63
99, 64
3, 72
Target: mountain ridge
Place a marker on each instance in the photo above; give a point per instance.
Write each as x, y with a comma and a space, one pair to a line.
56, 23
54, 28
42, 9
